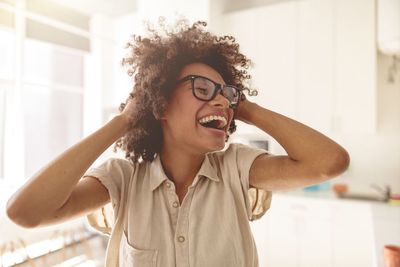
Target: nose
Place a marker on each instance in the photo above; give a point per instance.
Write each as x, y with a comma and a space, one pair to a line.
219, 101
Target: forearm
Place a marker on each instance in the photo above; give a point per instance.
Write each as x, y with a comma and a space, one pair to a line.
51, 186
302, 143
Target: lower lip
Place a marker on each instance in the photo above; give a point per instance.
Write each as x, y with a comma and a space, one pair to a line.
214, 131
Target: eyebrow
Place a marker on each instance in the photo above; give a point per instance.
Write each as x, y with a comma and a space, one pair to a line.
200, 76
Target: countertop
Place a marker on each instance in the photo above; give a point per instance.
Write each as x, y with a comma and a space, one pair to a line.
329, 195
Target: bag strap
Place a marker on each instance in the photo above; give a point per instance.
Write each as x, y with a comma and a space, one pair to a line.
112, 255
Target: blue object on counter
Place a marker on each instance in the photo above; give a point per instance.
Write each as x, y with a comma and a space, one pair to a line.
325, 186
317, 187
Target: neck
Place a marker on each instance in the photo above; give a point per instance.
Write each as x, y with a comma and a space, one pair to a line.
179, 165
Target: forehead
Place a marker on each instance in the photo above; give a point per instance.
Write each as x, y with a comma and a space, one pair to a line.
202, 70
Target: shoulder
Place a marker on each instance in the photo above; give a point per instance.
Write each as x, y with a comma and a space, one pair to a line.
233, 150
235, 154
113, 167
118, 162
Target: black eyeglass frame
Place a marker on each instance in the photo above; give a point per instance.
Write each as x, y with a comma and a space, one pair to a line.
217, 89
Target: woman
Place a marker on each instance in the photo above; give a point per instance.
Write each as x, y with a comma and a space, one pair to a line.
178, 199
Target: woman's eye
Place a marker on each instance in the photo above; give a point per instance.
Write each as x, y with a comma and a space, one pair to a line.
203, 91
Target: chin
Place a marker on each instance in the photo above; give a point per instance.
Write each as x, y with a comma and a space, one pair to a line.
215, 147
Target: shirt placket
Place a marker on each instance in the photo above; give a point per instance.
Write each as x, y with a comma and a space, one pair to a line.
173, 203
181, 222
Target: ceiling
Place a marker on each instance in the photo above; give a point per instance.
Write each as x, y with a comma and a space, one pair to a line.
115, 8
110, 8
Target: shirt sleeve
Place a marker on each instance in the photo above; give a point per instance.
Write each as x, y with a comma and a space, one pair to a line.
258, 201
114, 174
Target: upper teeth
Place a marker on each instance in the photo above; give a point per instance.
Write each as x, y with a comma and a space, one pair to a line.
212, 118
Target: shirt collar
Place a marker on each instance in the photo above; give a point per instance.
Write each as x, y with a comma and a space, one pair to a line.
157, 174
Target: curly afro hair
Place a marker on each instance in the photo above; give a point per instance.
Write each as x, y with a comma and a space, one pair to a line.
155, 62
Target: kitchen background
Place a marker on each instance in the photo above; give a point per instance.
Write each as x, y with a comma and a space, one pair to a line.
331, 64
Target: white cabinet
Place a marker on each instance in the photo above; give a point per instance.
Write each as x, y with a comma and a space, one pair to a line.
312, 232
315, 246
275, 239
355, 66
295, 232
386, 228
267, 36
315, 60
352, 234
389, 26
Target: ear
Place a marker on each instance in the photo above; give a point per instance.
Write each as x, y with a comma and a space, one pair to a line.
160, 116
162, 112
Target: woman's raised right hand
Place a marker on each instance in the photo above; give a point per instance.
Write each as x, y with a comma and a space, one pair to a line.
130, 110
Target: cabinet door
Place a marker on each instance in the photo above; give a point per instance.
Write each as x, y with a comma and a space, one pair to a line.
314, 105
279, 246
336, 65
386, 228
295, 232
315, 233
355, 66
353, 240
267, 35
312, 219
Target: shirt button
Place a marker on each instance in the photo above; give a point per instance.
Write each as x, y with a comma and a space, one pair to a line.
181, 239
168, 185
175, 204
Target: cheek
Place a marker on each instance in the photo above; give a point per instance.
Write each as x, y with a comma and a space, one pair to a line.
184, 113
183, 110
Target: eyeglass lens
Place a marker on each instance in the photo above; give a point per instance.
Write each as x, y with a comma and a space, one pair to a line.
204, 89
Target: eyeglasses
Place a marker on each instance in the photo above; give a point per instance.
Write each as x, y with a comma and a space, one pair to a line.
205, 89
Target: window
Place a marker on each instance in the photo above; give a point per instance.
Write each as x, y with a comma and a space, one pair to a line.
2, 126
52, 123
48, 64
7, 66
41, 86
7, 54
52, 102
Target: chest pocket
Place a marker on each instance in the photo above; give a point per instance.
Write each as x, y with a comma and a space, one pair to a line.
133, 257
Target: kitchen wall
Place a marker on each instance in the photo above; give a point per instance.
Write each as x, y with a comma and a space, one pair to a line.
375, 158
343, 59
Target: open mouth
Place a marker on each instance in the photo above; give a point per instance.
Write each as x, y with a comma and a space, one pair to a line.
214, 122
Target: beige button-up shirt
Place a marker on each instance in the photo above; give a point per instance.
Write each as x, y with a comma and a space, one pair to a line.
209, 228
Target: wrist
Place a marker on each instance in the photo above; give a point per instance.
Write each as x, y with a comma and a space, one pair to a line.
245, 111
124, 122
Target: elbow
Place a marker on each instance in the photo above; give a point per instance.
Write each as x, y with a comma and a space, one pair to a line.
337, 165
342, 162
19, 217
